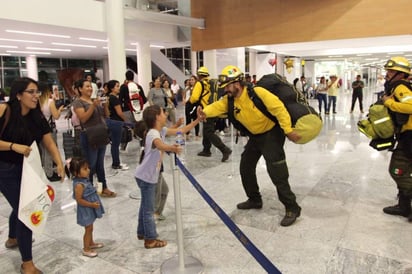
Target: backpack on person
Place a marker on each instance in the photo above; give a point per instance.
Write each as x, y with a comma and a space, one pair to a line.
382, 124
305, 120
208, 86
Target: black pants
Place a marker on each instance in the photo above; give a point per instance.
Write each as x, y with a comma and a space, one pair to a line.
357, 96
209, 136
270, 145
10, 182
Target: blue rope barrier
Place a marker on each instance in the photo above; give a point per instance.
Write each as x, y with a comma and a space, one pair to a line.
253, 250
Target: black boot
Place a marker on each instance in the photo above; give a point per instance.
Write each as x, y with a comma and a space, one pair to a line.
403, 208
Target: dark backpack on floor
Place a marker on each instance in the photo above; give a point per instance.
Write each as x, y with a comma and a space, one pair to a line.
305, 120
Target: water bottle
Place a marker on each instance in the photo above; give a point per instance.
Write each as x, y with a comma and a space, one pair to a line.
180, 140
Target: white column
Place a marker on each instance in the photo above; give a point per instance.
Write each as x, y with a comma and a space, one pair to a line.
209, 61
31, 65
115, 36
193, 57
240, 53
252, 62
144, 65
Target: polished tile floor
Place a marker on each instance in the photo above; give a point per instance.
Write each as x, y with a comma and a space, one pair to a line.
341, 184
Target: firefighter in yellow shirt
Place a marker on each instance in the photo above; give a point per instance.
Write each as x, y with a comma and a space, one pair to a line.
201, 96
398, 98
266, 139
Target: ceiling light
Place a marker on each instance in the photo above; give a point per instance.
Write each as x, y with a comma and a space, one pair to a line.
38, 33
5, 54
36, 48
23, 41
124, 49
92, 39
28, 52
364, 54
395, 53
8, 47
73, 45
156, 46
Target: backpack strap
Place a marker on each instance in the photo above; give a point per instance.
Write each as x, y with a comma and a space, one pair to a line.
6, 119
256, 101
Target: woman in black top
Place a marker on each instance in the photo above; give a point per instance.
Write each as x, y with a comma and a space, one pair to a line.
115, 123
21, 123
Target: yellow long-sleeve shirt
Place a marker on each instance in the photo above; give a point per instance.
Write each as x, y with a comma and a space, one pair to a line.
197, 92
249, 115
403, 105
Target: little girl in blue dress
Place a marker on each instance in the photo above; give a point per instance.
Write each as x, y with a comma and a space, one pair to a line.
89, 206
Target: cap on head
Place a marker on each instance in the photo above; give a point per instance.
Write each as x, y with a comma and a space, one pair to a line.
398, 63
230, 74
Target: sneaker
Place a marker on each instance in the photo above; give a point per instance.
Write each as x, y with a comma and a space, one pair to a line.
249, 204
290, 218
204, 153
121, 167
226, 153
395, 210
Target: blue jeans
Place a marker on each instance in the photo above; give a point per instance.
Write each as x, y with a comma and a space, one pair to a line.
332, 101
10, 182
115, 128
322, 97
146, 226
95, 157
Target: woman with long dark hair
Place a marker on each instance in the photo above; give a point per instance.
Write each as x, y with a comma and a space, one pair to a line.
90, 113
22, 123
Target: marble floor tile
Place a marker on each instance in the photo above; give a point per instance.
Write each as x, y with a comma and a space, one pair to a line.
340, 182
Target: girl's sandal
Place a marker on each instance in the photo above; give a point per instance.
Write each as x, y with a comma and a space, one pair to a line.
154, 243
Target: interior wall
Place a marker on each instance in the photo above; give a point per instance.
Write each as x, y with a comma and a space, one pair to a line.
236, 23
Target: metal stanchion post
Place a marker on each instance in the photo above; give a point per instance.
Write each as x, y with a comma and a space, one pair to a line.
181, 263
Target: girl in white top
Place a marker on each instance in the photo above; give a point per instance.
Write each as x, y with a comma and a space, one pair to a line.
147, 173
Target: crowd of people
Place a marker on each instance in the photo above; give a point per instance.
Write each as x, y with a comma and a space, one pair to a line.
29, 115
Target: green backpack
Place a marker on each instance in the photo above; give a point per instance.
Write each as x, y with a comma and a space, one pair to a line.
379, 124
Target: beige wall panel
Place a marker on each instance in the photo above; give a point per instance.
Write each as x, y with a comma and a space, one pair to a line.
237, 23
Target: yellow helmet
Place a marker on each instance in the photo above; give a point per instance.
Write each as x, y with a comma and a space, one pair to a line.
230, 74
399, 64
203, 71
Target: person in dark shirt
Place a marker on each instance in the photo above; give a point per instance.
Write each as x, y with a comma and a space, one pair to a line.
22, 123
357, 94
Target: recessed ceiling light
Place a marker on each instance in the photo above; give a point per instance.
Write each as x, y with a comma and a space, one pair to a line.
156, 46
8, 47
92, 39
73, 45
23, 41
395, 53
38, 33
50, 49
364, 54
28, 52
5, 54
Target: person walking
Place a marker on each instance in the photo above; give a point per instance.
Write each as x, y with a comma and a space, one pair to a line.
200, 96
357, 94
398, 98
266, 139
22, 123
